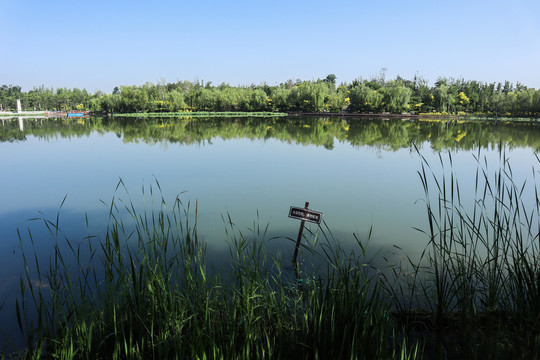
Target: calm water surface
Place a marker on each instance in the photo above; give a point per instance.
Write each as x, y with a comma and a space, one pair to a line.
361, 174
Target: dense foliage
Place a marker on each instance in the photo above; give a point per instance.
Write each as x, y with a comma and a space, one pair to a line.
375, 95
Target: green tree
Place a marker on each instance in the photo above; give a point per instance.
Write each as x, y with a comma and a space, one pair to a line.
364, 99
331, 81
258, 100
443, 98
133, 99
174, 101
280, 98
206, 99
396, 97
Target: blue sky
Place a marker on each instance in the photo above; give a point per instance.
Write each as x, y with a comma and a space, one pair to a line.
98, 44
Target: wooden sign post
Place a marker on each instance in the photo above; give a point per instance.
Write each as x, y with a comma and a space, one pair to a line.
304, 215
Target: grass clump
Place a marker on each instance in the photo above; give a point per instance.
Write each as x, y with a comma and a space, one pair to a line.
475, 292
146, 292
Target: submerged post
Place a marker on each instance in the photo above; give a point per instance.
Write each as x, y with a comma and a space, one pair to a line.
299, 240
305, 215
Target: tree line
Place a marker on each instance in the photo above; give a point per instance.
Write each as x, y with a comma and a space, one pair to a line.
377, 95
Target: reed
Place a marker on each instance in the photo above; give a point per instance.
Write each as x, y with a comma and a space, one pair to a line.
145, 290
475, 290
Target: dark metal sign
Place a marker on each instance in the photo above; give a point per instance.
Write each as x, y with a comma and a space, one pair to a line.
305, 215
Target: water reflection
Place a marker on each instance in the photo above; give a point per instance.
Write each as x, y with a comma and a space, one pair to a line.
390, 134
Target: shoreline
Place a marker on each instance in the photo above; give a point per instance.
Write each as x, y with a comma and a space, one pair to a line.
202, 114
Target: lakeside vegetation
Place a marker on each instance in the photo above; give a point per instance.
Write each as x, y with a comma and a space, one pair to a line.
377, 95
146, 289
206, 114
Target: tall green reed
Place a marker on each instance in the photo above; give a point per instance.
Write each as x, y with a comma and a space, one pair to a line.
478, 277
145, 290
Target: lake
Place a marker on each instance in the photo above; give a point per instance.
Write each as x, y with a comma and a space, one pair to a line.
361, 174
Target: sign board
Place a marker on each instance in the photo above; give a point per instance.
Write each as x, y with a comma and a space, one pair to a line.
305, 215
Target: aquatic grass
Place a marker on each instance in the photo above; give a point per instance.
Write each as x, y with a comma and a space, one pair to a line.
146, 291
475, 289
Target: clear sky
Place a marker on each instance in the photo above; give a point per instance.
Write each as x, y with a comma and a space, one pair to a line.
100, 44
